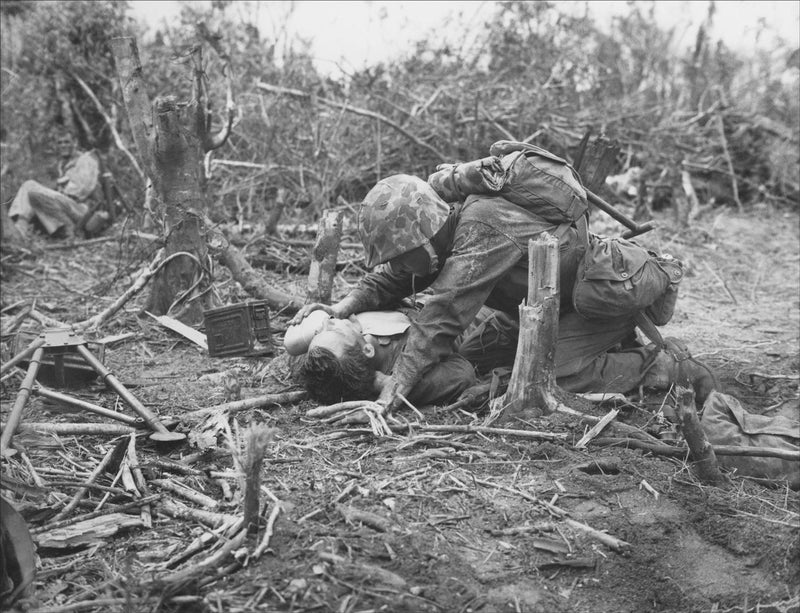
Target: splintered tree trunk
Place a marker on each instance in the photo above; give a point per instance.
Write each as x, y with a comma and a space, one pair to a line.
178, 153
323, 258
702, 453
595, 160
531, 390
170, 143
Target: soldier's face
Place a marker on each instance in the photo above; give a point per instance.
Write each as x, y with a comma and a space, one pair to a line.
416, 262
338, 336
65, 146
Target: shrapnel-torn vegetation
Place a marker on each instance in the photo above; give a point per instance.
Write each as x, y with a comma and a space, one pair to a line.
268, 505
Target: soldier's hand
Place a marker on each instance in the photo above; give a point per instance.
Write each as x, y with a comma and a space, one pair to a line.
307, 309
390, 397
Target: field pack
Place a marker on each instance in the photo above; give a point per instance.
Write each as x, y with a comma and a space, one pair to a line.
615, 277
524, 174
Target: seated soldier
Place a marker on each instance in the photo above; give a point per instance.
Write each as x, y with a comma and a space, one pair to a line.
351, 359
62, 211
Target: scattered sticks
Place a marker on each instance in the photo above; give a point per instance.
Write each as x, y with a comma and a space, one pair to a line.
597, 428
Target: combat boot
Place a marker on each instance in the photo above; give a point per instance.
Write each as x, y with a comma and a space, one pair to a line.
674, 365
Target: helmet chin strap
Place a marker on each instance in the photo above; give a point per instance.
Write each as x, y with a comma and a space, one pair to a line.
434, 258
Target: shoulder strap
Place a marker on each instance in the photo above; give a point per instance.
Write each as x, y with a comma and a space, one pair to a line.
580, 225
649, 329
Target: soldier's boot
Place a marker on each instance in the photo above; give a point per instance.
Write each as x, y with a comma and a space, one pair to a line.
675, 366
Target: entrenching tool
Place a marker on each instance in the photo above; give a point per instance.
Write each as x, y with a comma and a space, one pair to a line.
59, 343
634, 229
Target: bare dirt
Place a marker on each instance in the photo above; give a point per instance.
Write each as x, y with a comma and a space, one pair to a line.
425, 521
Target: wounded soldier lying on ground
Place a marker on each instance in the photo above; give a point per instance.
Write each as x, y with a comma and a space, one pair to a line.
351, 359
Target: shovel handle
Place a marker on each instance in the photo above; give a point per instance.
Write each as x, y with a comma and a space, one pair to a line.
634, 229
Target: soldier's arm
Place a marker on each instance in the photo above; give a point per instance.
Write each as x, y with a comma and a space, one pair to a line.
481, 257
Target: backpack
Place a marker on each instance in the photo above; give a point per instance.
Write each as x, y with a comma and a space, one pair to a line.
617, 278
523, 174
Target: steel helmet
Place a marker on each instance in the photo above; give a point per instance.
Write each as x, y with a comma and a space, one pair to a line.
400, 213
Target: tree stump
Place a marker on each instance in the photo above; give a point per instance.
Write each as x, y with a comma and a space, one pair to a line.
702, 453
323, 258
172, 138
531, 389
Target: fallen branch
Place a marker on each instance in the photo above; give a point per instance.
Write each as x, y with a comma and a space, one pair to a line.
144, 276
530, 434
184, 491
268, 532
631, 431
86, 532
76, 498
597, 428
334, 409
357, 111
99, 240
614, 543
111, 126
373, 520
551, 508
252, 403
210, 562
68, 429
253, 283
680, 452
122, 508
368, 574
207, 518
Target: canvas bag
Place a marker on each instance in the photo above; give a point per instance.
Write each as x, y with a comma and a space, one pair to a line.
726, 422
526, 175
617, 278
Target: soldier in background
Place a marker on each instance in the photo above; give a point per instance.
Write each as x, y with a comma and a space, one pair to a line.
70, 208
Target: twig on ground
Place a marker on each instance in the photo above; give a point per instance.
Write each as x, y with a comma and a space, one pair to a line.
76, 498
268, 532
208, 518
614, 543
597, 428
145, 275
184, 491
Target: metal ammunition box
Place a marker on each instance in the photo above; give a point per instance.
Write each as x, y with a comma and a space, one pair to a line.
239, 330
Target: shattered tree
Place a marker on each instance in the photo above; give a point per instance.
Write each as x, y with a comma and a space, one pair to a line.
172, 138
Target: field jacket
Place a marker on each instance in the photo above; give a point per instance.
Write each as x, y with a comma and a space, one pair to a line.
484, 253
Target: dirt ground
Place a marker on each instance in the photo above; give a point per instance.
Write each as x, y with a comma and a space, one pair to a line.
424, 520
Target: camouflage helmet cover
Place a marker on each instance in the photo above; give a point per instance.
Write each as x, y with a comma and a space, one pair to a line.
399, 214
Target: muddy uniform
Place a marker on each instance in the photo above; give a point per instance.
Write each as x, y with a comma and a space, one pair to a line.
483, 246
441, 383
